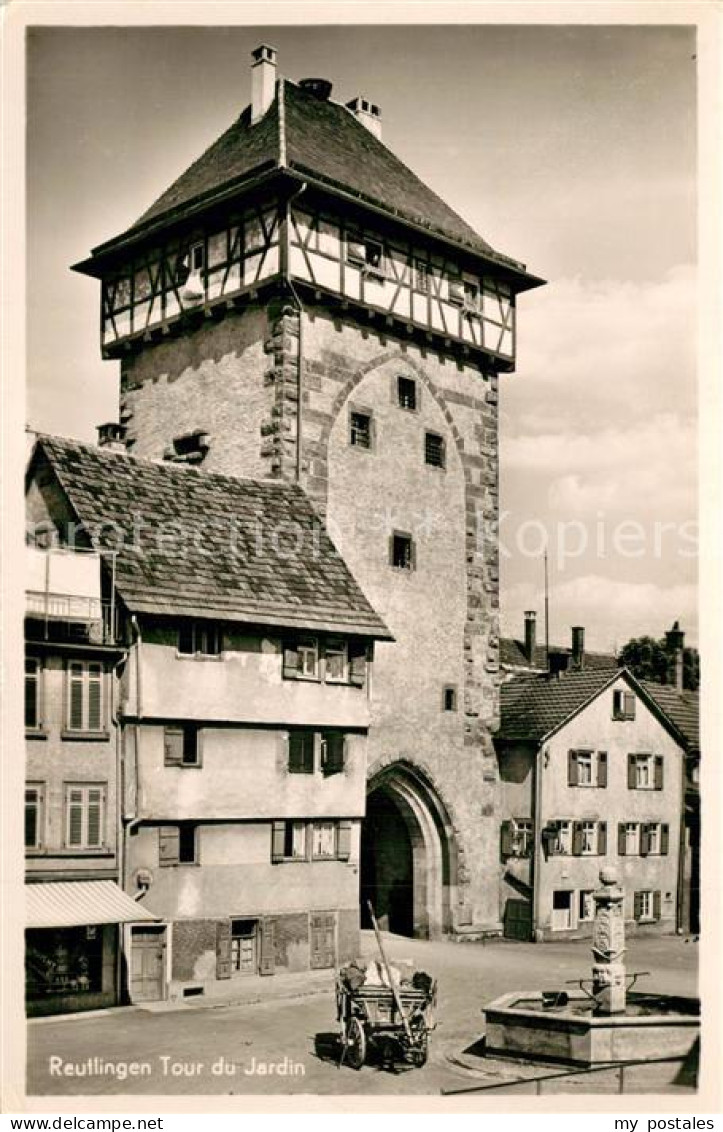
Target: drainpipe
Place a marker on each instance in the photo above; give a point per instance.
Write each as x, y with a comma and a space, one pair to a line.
134, 821
537, 833
300, 308
119, 849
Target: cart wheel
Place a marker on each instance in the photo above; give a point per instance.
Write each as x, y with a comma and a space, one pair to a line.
420, 1050
356, 1044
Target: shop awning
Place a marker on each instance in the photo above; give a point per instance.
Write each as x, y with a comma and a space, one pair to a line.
69, 904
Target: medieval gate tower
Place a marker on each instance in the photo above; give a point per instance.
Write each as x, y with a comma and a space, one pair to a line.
299, 305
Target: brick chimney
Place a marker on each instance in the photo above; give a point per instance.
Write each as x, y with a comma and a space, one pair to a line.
368, 114
578, 646
674, 645
112, 437
263, 81
530, 634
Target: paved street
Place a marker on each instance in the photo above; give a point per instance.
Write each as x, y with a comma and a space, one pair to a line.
202, 1050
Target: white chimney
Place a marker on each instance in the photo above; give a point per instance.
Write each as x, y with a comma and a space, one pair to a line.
263, 81
368, 114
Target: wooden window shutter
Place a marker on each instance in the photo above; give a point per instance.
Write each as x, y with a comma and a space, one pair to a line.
343, 845
664, 839
169, 837
571, 768
629, 705
631, 772
506, 839
267, 962
622, 841
223, 949
455, 291
602, 768
644, 840
75, 701
75, 817
656, 905
291, 662
358, 662
658, 772
172, 746
95, 697
637, 905
602, 838
333, 752
576, 838
278, 838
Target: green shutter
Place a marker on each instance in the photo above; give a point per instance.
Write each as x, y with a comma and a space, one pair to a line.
622, 842
506, 840
343, 848
602, 768
75, 704
656, 905
576, 838
267, 964
572, 768
658, 772
278, 839
602, 838
631, 772
291, 662
637, 905
95, 697
75, 818
644, 840
223, 949
357, 663
168, 844
664, 839
172, 746
95, 819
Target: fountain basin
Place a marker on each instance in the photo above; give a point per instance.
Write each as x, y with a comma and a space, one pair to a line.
653, 1026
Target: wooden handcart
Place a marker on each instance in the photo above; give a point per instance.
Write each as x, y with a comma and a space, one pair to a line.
394, 1020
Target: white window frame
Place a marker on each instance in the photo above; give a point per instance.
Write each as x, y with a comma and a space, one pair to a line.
307, 649
88, 678
38, 788
571, 911
422, 276
562, 846
584, 761
523, 833
585, 906
646, 902
331, 829
299, 840
589, 836
644, 770
203, 633
336, 647
85, 789
632, 837
655, 837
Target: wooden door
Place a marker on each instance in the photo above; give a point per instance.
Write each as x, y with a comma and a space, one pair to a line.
244, 948
148, 949
323, 939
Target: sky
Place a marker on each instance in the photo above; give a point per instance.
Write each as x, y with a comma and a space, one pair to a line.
571, 148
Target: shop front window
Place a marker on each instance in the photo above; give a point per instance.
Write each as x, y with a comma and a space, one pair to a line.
64, 961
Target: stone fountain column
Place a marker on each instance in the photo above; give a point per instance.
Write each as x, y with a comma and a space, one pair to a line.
608, 945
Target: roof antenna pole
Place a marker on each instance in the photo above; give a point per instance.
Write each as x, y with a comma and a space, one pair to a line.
547, 617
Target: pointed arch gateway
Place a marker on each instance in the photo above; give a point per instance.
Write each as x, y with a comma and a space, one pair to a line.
409, 854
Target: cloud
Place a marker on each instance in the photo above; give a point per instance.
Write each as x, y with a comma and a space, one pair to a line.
603, 353
612, 611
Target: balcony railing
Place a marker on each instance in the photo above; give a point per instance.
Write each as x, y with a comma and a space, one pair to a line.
63, 596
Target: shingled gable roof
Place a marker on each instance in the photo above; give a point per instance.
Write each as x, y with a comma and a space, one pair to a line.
321, 141
535, 706
682, 708
249, 551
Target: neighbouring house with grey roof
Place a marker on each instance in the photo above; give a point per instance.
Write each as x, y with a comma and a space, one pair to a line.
591, 775
224, 720
299, 310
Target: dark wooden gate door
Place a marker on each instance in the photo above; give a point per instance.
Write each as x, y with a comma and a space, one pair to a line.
148, 949
323, 932
518, 919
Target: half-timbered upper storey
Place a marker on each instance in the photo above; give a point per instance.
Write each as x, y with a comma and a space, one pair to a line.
299, 189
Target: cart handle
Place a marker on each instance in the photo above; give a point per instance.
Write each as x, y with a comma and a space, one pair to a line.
392, 987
